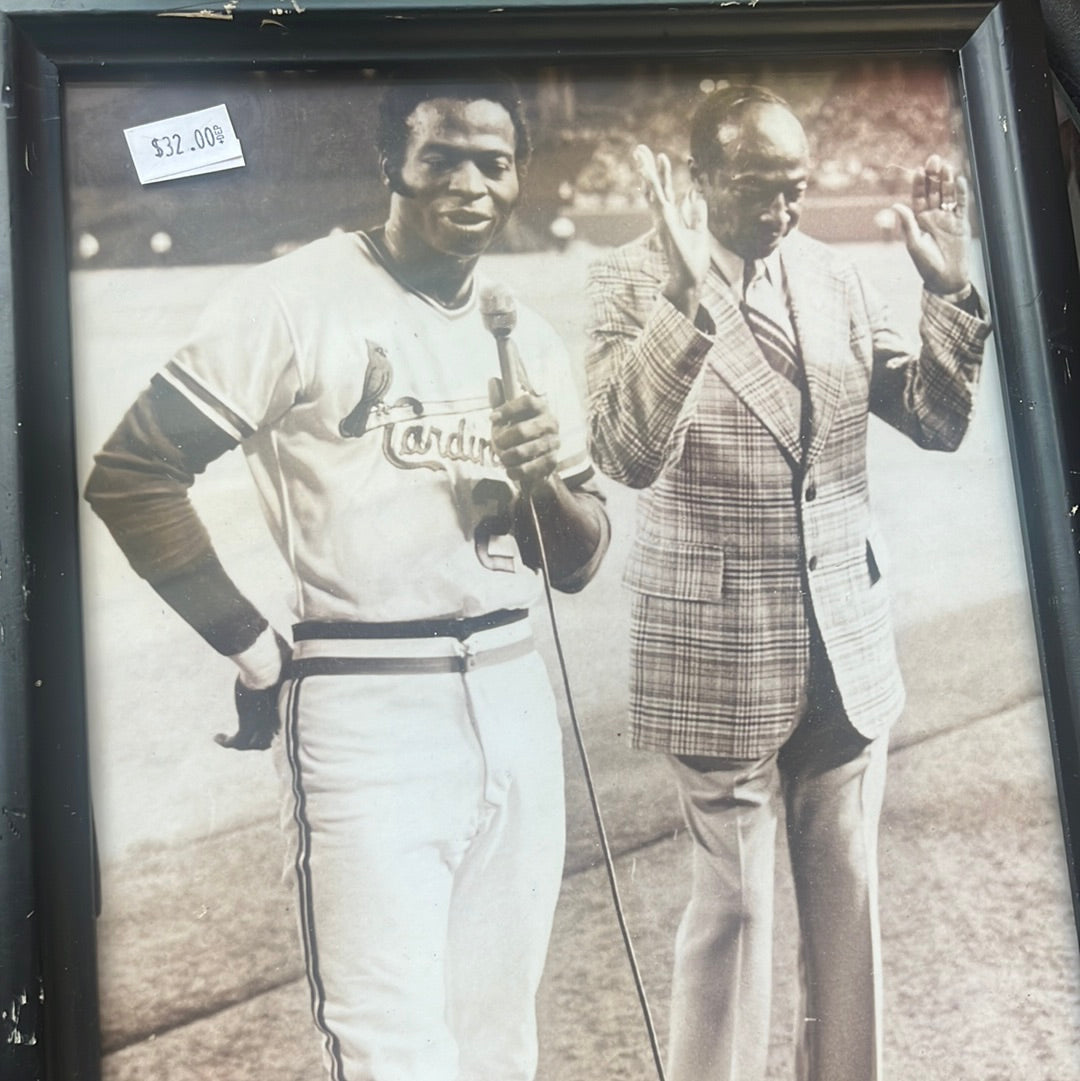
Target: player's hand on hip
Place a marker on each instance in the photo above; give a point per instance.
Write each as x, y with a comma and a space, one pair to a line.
257, 707
936, 227
682, 226
526, 435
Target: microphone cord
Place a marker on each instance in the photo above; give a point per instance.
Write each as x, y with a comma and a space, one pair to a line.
605, 846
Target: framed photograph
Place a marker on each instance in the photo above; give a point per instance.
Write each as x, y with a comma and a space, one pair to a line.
507, 510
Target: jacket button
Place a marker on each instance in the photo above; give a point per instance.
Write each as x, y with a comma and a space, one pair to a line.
811, 493
811, 563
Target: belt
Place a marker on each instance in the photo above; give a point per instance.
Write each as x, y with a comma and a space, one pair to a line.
447, 646
416, 628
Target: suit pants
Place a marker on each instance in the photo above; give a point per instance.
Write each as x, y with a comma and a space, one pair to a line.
830, 782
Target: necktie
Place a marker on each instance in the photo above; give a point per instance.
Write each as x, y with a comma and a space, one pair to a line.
763, 309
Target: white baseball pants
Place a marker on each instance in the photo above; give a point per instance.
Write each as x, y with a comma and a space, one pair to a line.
428, 818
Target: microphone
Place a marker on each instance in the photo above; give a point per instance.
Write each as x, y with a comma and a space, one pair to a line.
499, 311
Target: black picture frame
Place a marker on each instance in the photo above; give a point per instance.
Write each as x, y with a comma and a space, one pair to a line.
47, 862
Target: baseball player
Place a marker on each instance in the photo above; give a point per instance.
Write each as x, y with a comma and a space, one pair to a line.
421, 762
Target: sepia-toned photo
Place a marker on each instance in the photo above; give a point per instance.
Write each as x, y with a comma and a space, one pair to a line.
555, 603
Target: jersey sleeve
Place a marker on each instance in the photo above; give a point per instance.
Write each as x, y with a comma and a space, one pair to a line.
239, 367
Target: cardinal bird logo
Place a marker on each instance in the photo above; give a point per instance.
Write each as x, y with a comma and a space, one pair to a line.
377, 380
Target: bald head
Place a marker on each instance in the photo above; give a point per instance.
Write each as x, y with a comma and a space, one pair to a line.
736, 119
766, 132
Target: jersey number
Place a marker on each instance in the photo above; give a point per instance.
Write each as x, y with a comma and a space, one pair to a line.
494, 501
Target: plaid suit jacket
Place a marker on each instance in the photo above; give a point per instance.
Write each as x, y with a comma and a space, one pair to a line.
748, 531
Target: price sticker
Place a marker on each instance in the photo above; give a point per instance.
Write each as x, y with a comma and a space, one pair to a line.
199, 142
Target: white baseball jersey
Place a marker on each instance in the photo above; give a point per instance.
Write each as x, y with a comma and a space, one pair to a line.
363, 408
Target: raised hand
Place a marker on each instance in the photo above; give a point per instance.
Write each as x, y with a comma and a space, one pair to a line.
936, 227
682, 228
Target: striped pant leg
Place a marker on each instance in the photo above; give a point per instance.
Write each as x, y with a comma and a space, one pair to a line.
383, 794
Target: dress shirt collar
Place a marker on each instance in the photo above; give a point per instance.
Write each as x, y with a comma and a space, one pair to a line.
731, 265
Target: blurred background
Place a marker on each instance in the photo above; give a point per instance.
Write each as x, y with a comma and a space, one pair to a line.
308, 141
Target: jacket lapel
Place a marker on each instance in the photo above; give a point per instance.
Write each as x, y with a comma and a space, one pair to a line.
819, 315
738, 360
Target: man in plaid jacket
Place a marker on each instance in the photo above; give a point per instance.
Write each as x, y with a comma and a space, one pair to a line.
733, 367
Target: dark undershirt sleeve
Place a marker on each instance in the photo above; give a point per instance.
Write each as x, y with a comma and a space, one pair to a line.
139, 488
573, 557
